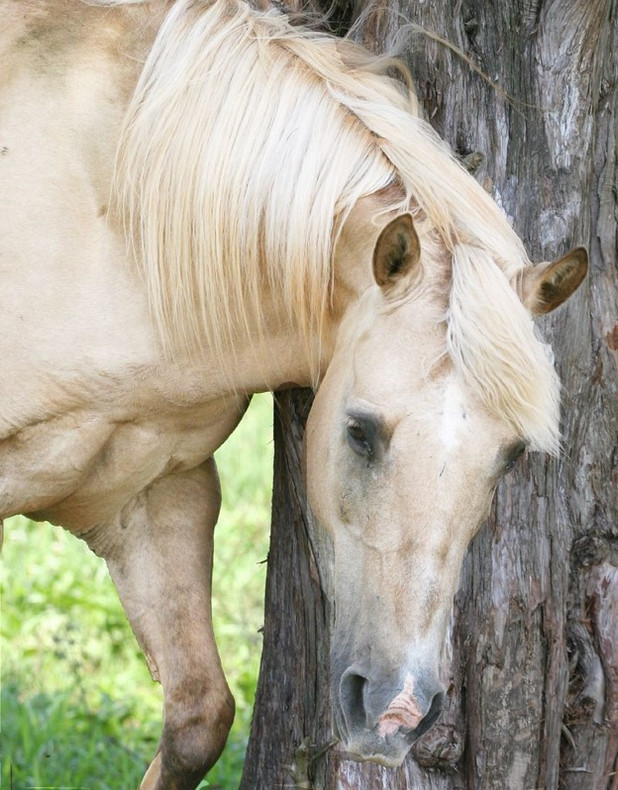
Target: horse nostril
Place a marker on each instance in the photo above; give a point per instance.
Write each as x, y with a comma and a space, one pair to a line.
435, 709
403, 714
352, 692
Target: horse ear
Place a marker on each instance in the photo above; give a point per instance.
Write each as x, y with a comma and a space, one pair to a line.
397, 251
548, 285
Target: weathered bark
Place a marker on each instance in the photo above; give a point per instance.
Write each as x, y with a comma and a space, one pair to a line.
533, 701
291, 712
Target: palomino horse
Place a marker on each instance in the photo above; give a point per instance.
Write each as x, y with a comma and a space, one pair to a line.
199, 202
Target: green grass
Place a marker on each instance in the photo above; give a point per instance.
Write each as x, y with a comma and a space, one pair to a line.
78, 707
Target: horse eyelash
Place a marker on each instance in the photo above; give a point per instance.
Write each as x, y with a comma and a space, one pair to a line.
357, 439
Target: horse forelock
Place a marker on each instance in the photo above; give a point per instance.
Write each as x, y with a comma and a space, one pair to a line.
491, 340
244, 149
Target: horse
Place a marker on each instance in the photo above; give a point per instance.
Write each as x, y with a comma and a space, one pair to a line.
201, 201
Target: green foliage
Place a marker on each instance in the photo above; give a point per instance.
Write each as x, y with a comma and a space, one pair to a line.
78, 707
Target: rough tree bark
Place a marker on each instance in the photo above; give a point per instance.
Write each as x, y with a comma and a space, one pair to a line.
533, 698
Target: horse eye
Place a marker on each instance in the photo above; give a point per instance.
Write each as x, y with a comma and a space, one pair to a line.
358, 440
513, 456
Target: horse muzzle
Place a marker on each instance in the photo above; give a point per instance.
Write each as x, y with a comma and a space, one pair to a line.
379, 720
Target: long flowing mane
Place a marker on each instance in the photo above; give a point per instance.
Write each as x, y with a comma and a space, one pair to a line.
248, 142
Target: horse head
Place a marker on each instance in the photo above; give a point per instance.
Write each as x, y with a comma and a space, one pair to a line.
404, 450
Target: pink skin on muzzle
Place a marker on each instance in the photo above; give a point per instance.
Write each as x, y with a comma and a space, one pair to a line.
403, 711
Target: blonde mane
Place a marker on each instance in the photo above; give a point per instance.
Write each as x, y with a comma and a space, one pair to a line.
245, 147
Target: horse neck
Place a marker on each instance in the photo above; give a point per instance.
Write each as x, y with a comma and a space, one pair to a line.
274, 353
276, 357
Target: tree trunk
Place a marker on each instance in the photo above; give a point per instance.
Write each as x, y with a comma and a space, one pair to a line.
533, 700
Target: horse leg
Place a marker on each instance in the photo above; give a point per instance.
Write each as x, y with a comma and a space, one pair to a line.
160, 558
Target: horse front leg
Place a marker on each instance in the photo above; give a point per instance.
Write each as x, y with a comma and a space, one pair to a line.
160, 559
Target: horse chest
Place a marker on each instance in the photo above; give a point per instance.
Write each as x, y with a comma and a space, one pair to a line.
80, 468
